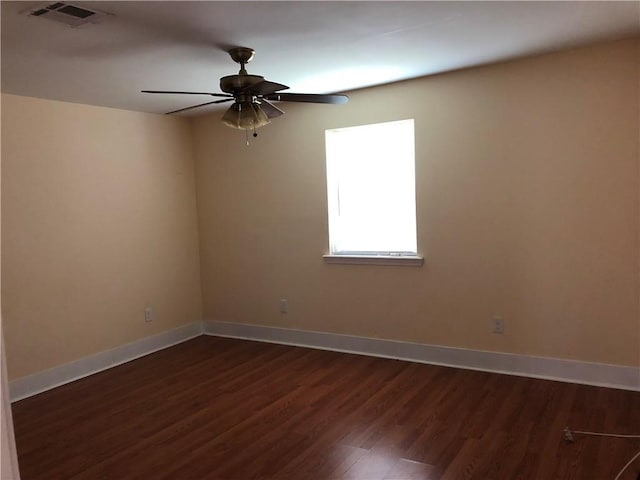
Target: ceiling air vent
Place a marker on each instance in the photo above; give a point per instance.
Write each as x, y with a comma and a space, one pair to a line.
66, 13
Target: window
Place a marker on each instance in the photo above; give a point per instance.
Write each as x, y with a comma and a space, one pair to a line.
371, 192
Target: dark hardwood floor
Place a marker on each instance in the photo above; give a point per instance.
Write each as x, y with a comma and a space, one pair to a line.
215, 408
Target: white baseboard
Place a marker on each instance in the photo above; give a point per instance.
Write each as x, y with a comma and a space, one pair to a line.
39, 382
599, 374
572, 371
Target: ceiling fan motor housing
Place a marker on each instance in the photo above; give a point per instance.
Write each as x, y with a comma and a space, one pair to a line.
236, 83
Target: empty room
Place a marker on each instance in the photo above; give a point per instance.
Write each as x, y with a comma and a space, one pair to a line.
320, 240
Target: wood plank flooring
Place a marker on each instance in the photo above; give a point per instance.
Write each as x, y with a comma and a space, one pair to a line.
224, 409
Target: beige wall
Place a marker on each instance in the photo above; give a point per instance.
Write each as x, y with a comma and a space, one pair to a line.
527, 191
98, 221
528, 208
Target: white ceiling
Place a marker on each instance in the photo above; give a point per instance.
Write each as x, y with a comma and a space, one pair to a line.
314, 47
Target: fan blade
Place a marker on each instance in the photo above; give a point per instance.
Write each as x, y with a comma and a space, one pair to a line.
270, 110
188, 93
307, 97
264, 88
199, 105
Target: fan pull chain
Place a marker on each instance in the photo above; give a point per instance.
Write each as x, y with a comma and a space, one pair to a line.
246, 134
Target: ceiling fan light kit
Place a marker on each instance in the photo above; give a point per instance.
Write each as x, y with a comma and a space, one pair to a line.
245, 116
251, 96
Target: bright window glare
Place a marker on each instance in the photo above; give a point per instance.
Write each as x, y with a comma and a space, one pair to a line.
371, 189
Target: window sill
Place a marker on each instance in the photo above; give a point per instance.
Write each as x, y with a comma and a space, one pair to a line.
406, 261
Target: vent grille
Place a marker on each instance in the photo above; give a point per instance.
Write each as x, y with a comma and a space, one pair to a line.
66, 13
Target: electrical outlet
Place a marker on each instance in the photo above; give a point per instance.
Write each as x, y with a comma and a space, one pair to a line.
148, 314
498, 325
284, 305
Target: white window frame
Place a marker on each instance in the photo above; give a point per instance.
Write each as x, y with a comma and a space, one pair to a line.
367, 135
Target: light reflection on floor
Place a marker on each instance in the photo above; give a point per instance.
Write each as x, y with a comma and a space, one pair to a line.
355, 463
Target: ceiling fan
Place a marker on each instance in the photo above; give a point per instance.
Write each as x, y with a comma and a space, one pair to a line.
251, 96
